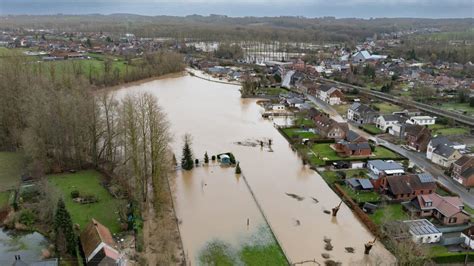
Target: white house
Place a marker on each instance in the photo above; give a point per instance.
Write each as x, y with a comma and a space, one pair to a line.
386, 122
421, 120
468, 235
330, 95
443, 152
388, 168
423, 231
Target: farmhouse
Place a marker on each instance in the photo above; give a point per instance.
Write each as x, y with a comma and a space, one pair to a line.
361, 113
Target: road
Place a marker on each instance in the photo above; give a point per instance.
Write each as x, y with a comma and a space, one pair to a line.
419, 159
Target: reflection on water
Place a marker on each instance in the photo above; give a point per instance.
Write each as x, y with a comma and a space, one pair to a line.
212, 203
28, 246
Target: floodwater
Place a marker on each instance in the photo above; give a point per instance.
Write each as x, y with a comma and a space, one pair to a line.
213, 203
28, 246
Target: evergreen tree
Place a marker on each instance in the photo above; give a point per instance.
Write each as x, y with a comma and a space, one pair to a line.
206, 158
65, 236
187, 159
237, 169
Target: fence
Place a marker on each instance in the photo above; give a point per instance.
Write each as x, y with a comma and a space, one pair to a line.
266, 220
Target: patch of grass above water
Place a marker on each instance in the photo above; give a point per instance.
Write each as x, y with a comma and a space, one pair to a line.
262, 255
217, 253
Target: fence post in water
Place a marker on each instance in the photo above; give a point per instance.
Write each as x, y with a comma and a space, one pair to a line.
336, 209
368, 246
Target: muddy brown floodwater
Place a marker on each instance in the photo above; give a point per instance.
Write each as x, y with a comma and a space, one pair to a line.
213, 203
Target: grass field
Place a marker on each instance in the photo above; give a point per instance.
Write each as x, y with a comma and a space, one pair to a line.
88, 182
438, 129
459, 107
302, 121
391, 212
325, 152
292, 132
387, 108
341, 109
332, 176
4, 197
11, 165
372, 129
361, 196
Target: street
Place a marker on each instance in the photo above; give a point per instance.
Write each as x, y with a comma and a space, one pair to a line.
419, 159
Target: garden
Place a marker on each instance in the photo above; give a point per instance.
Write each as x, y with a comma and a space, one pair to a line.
99, 203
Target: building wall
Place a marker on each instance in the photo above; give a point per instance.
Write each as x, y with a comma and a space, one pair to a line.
430, 238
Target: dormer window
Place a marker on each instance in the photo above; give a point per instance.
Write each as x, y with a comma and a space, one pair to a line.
428, 204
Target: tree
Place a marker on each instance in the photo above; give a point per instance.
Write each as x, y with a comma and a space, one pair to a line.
187, 159
238, 171
206, 158
64, 232
88, 43
249, 87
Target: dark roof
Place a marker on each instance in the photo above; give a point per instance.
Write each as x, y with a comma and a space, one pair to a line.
398, 118
407, 184
385, 165
325, 87
362, 108
444, 150
362, 182
463, 160
468, 172
440, 140
421, 227
358, 146
352, 136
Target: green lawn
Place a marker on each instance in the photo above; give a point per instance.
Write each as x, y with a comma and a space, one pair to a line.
4, 197
11, 165
438, 129
326, 153
88, 182
372, 129
387, 108
292, 132
459, 107
341, 108
332, 176
361, 196
389, 212
302, 121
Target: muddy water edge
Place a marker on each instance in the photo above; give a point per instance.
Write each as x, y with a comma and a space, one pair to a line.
215, 207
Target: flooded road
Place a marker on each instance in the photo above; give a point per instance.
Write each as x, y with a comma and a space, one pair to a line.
213, 203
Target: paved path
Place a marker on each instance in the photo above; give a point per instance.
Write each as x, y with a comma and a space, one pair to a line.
419, 159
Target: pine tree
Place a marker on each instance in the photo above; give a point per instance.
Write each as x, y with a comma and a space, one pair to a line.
187, 159
237, 169
64, 230
206, 158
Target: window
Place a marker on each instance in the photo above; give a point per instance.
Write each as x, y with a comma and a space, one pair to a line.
428, 204
452, 220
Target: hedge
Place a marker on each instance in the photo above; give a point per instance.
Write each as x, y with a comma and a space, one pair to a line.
453, 258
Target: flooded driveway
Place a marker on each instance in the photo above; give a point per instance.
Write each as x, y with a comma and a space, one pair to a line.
212, 203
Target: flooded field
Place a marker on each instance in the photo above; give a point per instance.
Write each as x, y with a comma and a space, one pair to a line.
213, 204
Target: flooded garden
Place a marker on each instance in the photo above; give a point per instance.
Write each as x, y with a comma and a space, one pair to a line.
220, 217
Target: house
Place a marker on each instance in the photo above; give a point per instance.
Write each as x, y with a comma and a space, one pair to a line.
348, 149
443, 152
98, 245
421, 120
361, 113
407, 187
353, 137
468, 236
417, 137
362, 56
423, 231
359, 184
442, 141
463, 171
386, 122
330, 95
386, 168
447, 210
329, 128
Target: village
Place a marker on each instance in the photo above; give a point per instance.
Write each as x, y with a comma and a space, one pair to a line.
392, 136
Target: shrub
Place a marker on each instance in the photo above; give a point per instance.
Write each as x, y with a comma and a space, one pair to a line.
27, 217
75, 194
237, 169
213, 157
206, 158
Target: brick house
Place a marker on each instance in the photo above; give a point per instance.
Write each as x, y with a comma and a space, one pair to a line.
463, 171
329, 128
417, 137
447, 210
407, 187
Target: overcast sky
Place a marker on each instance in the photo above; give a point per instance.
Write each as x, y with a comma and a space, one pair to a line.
307, 8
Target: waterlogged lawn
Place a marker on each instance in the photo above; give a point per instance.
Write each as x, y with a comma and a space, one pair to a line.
324, 151
88, 183
261, 249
